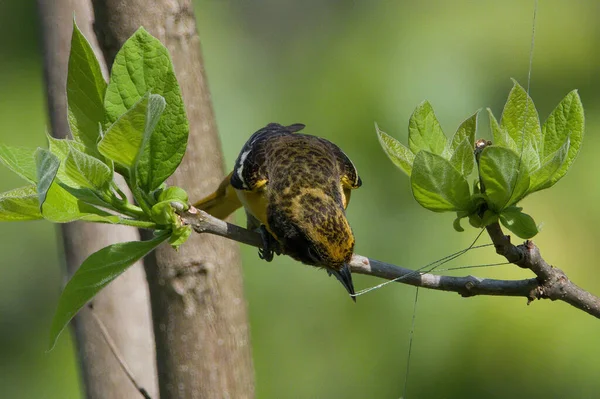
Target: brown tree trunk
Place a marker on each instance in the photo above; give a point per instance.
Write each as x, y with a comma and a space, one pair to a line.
123, 306
198, 306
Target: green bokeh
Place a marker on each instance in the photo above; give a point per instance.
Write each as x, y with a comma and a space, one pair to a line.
338, 67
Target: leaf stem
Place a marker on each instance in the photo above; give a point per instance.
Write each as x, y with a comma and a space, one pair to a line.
142, 224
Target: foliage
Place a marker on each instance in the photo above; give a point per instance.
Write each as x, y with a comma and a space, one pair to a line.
525, 157
134, 125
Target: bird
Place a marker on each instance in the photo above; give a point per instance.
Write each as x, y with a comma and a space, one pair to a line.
295, 189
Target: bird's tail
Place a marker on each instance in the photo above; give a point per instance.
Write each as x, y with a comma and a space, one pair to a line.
345, 277
222, 202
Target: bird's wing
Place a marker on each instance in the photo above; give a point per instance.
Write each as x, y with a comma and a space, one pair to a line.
249, 172
349, 178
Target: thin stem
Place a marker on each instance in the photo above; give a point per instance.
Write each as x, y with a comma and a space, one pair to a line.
141, 224
121, 194
115, 351
129, 209
550, 283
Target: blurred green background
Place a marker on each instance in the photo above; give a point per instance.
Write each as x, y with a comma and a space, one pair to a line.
338, 66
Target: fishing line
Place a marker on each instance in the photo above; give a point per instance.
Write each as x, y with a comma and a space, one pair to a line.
432, 266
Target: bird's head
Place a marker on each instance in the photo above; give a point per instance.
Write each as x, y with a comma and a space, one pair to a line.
314, 230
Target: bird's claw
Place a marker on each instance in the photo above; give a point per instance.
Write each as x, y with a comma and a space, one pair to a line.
270, 245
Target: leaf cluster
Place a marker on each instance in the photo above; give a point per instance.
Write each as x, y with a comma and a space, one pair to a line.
485, 183
135, 126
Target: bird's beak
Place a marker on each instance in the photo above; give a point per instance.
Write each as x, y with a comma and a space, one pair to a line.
345, 277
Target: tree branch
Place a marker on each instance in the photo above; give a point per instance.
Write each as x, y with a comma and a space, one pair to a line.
198, 309
551, 283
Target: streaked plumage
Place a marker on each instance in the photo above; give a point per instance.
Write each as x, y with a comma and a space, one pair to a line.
297, 186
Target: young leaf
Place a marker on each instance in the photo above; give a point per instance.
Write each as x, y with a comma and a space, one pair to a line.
122, 141
501, 137
518, 222
463, 158
143, 65
87, 171
566, 122
85, 92
95, 273
437, 185
521, 122
544, 177
20, 204
20, 160
62, 207
61, 147
504, 177
466, 130
424, 131
47, 167
127, 141
163, 213
179, 236
456, 223
145, 165
58, 205
401, 156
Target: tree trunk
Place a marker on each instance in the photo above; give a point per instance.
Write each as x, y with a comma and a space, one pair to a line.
198, 306
123, 306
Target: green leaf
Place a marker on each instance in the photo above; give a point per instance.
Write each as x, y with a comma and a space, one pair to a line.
518, 222
47, 166
62, 207
163, 213
463, 158
520, 120
127, 141
566, 122
143, 65
85, 92
95, 273
501, 137
20, 204
57, 204
504, 177
437, 185
488, 218
145, 166
122, 142
62, 147
456, 222
20, 160
401, 156
466, 130
424, 131
179, 236
544, 177
174, 193
87, 171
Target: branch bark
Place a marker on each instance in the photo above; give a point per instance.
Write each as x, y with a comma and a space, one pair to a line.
124, 305
550, 283
198, 307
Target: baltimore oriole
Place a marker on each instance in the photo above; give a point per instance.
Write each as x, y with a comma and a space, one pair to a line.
295, 188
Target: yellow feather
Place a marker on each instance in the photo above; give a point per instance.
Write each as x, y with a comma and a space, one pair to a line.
222, 202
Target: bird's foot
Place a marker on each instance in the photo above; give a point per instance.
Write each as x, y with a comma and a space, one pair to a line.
270, 245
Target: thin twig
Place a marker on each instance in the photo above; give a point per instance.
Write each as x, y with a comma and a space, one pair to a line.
115, 351
551, 283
